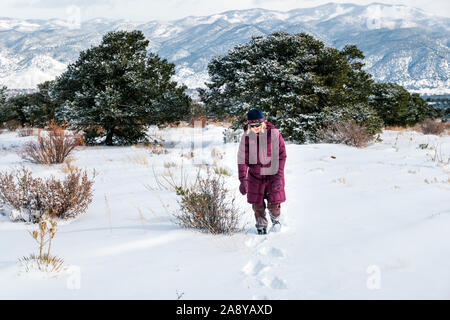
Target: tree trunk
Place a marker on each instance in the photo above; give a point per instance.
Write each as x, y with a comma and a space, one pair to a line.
109, 135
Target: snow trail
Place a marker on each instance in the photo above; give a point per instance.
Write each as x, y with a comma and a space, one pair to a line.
348, 210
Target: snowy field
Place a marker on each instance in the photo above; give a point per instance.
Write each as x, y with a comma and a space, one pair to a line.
370, 223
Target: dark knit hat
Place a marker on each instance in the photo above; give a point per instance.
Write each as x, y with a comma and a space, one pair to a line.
254, 115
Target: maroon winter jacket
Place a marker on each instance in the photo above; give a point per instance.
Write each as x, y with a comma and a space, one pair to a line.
259, 182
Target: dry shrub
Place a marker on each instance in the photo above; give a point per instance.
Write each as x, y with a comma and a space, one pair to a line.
174, 124
439, 156
139, 159
156, 148
395, 128
170, 164
232, 136
432, 127
52, 148
12, 125
29, 198
349, 133
188, 155
223, 171
25, 132
226, 125
68, 167
198, 120
169, 180
207, 206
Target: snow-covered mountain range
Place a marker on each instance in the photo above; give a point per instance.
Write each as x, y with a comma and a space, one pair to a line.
402, 44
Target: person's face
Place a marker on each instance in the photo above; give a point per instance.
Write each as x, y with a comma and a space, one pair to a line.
256, 127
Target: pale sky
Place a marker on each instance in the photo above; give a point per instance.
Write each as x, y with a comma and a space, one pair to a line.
146, 10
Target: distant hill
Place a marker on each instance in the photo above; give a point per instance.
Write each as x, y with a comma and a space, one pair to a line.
402, 44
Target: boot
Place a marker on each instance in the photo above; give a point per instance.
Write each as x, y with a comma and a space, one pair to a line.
274, 212
276, 225
262, 231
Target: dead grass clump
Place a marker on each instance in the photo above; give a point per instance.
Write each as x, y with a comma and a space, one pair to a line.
44, 235
438, 156
68, 167
396, 128
223, 171
170, 164
349, 133
170, 181
139, 159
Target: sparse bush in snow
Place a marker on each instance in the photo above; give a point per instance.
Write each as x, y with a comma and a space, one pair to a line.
156, 148
439, 156
217, 155
51, 148
170, 181
27, 198
432, 127
170, 164
12, 125
68, 167
230, 135
222, 170
207, 206
140, 159
348, 132
25, 132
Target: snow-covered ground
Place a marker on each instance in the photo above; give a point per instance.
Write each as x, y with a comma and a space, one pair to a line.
368, 223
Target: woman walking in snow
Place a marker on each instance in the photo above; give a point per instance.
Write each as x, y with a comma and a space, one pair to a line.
261, 160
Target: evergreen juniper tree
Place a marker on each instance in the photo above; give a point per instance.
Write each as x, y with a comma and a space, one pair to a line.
2, 96
291, 78
396, 106
42, 107
2, 105
418, 110
15, 109
32, 109
116, 89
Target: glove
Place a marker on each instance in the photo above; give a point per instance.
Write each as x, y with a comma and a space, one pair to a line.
243, 187
277, 185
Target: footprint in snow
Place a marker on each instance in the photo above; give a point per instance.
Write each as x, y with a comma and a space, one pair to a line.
274, 283
254, 241
255, 267
260, 267
271, 252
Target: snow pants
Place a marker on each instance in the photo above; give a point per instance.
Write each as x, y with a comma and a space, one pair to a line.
260, 213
